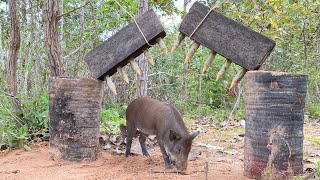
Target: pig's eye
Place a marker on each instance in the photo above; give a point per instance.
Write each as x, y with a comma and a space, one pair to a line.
179, 149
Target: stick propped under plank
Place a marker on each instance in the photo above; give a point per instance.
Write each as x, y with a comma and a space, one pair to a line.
126, 44
227, 37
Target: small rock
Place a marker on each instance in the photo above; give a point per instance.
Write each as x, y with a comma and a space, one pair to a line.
103, 139
3, 147
152, 137
231, 152
243, 123
208, 146
107, 146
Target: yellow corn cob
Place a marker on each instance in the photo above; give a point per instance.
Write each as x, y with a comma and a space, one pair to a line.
178, 42
238, 78
123, 74
208, 61
111, 85
223, 69
195, 45
162, 46
149, 57
135, 67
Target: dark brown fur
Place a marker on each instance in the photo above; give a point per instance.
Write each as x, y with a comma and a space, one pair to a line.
151, 116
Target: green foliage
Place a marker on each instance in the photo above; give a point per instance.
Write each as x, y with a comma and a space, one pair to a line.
34, 122
112, 117
35, 114
314, 110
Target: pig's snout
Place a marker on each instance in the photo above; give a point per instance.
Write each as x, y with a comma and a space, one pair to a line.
182, 167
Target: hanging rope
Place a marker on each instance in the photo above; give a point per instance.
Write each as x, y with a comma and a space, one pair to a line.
134, 19
214, 7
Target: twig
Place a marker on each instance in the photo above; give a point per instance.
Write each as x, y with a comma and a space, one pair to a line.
72, 10
176, 172
206, 169
158, 73
14, 117
76, 50
8, 95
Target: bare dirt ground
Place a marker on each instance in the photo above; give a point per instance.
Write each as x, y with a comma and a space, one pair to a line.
221, 148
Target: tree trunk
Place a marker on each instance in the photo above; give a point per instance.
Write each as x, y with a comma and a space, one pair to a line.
185, 65
14, 45
274, 104
142, 81
74, 110
50, 20
316, 85
1, 53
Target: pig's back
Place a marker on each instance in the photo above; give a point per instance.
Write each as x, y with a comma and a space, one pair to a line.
146, 114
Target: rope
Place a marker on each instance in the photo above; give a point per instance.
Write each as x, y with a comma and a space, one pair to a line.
132, 16
201, 22
214, 7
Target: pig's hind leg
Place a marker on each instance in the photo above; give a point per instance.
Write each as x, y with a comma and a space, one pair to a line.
142, 140
131, 130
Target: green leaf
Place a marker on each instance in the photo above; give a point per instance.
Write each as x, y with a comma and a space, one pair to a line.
27, 147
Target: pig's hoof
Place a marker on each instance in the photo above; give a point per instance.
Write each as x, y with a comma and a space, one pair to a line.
168, 166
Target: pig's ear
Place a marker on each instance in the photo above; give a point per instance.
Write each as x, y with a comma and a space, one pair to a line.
195, 134
174, 135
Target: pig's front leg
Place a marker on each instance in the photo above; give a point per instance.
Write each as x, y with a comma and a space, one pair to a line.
165, 155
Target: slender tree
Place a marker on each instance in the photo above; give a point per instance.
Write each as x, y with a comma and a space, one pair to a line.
185, 65
316, 81
142, 81
14, 45
50, 18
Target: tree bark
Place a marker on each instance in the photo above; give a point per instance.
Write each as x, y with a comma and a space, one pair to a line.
14, 45
50, 18
185, 65
1, 53
316, 85
142, 81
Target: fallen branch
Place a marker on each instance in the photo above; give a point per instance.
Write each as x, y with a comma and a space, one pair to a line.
176, 172
14, 117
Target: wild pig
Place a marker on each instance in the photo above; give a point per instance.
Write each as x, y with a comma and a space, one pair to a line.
151, 116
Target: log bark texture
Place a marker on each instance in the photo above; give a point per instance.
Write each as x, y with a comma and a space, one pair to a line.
274, 104
125, 44
14, 45
74, 109
142, 81
50, 18
227, 37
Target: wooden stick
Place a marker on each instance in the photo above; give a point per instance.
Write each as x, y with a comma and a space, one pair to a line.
174, 171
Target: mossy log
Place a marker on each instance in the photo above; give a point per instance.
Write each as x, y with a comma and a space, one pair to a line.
74, 110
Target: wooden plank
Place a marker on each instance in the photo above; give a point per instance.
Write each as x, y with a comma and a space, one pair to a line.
227, 37
127, 43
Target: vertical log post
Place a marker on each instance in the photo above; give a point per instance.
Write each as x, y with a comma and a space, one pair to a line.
74, 110
274, 104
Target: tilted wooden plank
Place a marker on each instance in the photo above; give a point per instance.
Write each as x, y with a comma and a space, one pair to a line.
125, 44
227, 37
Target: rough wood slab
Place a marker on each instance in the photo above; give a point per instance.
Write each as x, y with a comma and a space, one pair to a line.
274, 104
74, 110
127, 43
227, 37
